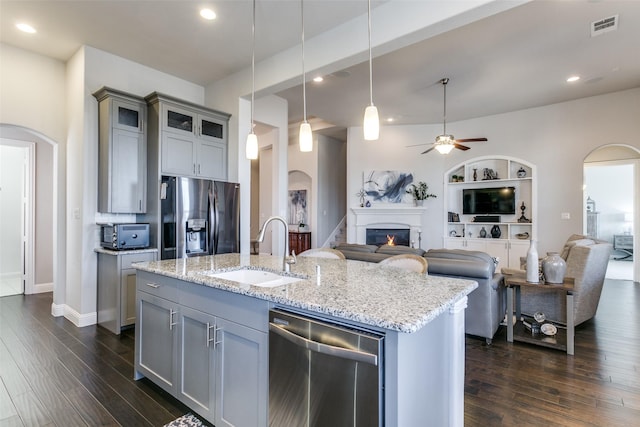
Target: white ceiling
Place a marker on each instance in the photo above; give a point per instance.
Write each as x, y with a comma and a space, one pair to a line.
516, 59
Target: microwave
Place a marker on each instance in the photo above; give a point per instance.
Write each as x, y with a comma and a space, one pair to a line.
124, 236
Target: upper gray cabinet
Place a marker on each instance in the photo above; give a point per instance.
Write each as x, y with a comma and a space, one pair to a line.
122, 164
192, 139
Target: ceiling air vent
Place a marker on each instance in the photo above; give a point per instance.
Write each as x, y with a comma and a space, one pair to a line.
604, 25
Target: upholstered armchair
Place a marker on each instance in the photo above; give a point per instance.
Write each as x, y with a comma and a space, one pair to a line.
587, 261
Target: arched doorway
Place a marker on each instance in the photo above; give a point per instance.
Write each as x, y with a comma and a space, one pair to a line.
612, 205
48, 240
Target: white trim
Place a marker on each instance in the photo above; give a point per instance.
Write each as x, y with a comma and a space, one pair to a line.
388, 216
29, 227
41, 288
80, 320
57, 310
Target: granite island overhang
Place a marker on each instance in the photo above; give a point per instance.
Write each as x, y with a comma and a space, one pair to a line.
422, 318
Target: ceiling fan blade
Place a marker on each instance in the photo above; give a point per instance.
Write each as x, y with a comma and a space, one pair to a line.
430, 149
461, 147
418, 145
471, 139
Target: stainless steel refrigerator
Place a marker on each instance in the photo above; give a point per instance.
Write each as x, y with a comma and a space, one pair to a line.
198, 217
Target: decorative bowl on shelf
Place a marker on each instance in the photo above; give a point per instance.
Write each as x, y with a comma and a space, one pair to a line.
523, 236
549, 329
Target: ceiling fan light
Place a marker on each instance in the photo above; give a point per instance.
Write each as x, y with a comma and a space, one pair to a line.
251, 149
305, 138
444, 148
371, 123
444, 139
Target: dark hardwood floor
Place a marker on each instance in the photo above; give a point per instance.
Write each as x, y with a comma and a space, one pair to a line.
54, 374
509, 384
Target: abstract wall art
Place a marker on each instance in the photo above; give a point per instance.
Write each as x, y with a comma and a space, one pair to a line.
388, 186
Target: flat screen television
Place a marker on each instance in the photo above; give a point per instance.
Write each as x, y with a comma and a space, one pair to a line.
489, 201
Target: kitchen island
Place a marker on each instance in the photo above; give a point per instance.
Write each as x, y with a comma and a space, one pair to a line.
205, 339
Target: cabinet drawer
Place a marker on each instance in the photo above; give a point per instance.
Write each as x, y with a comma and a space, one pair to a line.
129, 259
163, 287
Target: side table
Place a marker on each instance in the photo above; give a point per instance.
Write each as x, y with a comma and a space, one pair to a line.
563, 339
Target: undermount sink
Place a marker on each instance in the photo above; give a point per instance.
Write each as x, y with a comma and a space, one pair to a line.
265, 279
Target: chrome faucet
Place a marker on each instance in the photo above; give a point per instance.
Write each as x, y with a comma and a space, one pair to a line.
286, 259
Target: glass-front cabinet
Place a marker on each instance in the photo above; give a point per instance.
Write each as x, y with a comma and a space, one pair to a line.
193, 139
491, 206
122, 152
129, 116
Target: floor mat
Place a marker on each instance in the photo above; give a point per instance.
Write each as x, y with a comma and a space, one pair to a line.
187, 420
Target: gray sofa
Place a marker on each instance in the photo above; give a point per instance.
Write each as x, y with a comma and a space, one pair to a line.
373, 253
486, 305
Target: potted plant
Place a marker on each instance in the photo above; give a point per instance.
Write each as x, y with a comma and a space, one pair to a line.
419, 192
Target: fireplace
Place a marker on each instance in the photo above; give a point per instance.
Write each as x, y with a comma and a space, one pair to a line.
382, 236
387, 216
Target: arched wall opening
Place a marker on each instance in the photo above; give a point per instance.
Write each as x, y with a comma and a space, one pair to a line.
48, 239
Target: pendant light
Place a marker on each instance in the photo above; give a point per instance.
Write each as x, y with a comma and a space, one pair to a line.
371, 125
252, 140
305, 138
444, 143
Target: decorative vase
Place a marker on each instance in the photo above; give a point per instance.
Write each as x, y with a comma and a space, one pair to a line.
521, 173
417, 202
533, 276
475, 174
496, 232
553, 268
483, 233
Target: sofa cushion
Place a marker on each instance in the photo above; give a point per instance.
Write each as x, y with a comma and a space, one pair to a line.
459, 254
399, 250
355, 247
477, 264
364, 256
571, 243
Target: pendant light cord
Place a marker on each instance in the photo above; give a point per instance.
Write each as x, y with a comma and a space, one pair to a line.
444, 115
253, 63
370, 66
304, 77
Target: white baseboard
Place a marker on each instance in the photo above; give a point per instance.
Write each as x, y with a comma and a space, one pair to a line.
40, 288
57, 310
80, 320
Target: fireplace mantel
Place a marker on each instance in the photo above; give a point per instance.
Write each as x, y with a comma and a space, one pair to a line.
392, 216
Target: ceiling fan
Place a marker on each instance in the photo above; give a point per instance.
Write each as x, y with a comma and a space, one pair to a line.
445, 143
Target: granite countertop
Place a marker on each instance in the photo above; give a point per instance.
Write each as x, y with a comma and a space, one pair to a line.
364, 292
125, 251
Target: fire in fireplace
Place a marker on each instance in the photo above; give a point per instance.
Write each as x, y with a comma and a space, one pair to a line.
388, 236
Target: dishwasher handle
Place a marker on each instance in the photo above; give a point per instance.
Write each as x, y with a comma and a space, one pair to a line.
344, 353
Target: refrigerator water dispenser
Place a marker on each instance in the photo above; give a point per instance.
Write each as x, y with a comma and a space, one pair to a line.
196, 236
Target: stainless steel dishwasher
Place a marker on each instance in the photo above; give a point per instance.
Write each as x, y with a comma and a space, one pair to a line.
322, 374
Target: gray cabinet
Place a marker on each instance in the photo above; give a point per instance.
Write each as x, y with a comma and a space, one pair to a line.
193, 344
122, 151
117, 288
192, 139
157, 341
241, 370
197, 362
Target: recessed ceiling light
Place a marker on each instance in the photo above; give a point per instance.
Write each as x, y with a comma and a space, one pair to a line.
573, 79
26, 28
390, 119
208, 14
318, 79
